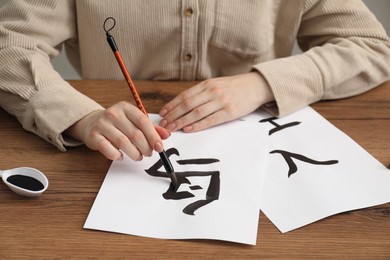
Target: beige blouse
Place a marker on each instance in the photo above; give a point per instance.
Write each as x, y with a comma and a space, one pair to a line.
346, 50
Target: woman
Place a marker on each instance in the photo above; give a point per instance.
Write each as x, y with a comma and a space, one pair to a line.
241, 49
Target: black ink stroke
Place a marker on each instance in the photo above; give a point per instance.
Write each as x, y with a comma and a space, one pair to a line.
213, 189
196, 187
293, 167
278, 127
197, 161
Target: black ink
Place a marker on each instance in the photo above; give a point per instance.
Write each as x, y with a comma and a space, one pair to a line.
278, 127
190, 209
153, 171
197, 161
171, 194
195, 187
293, 167
213, 189
25, 182
211, 195
167, 164
169, 169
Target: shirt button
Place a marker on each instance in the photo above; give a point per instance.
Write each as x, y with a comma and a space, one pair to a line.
188, 57
188, 12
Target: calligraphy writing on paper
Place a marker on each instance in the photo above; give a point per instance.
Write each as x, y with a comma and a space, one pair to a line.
213, 188
293, 167
288, 156
277, 126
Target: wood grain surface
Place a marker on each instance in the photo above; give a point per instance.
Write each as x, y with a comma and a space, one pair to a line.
51, 226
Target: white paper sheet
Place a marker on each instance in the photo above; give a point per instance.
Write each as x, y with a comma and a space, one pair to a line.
130, 201
314, 192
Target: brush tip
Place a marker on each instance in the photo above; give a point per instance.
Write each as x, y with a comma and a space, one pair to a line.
174, 182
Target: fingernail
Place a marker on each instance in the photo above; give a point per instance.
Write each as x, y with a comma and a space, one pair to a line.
140, 158
163, 112
158, 147
163, 123
171, 127
188, 128
120, 158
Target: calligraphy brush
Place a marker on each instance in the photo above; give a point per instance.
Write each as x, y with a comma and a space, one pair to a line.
110, 39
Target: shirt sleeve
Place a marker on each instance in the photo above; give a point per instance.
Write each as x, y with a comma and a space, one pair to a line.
346, 52
31, 33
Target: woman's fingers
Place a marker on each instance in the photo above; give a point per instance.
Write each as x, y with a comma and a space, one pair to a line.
214, 119
106, 148
163, 132
181, 103
120, 128
216, 101
199, 114
120, 142
145, 136
190, 106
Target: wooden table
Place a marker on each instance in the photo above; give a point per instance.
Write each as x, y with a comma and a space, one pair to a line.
51, 226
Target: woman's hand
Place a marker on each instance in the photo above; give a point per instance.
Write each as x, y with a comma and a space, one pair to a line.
121, 127
215, 101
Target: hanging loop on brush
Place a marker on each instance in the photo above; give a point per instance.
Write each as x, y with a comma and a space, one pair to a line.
110, 39
105, 24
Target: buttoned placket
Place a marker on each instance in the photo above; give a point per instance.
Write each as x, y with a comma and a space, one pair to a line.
189, 45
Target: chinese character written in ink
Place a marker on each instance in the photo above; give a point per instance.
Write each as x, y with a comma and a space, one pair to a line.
288, 155
213, 188
293, 167
277, 126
